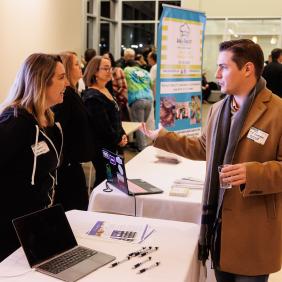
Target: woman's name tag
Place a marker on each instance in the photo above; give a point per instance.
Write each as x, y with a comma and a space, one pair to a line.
40, 148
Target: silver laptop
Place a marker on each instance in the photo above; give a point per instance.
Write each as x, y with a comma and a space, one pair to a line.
51, 248
116, 176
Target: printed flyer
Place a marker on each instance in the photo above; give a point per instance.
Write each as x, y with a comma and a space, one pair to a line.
129, 233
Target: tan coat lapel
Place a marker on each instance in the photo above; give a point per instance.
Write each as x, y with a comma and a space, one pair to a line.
258, 109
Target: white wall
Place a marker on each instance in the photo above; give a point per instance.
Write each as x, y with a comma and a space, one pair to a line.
28, 26
238, 8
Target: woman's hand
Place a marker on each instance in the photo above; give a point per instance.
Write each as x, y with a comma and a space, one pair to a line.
152, 134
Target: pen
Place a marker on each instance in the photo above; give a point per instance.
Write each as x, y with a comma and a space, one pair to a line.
121, 261
148, 252
142, 262
139, 251
149, 267
192, 179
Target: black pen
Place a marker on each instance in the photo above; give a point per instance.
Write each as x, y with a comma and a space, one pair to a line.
142, 262
149, 267
148, 252
136, 253
121, 261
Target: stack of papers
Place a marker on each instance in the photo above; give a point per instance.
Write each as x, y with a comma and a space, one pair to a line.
128, 233
181, 187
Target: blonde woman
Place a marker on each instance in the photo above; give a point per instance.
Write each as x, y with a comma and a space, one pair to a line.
104, 113
30, 143
71, 189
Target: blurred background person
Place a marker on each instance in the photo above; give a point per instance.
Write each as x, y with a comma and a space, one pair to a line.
139, 58
152, 60
30, 143
88, 55
140, 98
103, 112
205, 89
71, 188
128, 54
118, 87
272, 72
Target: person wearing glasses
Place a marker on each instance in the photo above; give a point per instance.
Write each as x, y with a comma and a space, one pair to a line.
30, 144
104, 113
71, 188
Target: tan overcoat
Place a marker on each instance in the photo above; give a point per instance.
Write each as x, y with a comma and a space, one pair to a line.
251, 239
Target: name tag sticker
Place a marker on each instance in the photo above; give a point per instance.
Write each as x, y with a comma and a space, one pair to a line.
41, 148
257, 135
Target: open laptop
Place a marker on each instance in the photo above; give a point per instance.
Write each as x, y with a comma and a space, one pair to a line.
116, 176
51, 248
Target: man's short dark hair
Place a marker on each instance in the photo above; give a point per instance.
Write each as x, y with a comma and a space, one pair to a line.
275, 54
245, 50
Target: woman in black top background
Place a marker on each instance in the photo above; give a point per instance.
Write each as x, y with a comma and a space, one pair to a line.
71, 188
103, 113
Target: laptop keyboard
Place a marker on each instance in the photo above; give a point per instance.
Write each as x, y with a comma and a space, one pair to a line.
134, 188
67, 260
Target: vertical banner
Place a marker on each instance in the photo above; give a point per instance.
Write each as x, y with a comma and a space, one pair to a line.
178, 85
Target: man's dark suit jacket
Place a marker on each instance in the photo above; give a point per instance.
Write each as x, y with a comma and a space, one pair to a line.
273, 76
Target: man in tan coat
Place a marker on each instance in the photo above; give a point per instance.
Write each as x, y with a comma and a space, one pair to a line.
241, 227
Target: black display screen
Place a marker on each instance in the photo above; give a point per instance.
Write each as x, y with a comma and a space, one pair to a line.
44, 233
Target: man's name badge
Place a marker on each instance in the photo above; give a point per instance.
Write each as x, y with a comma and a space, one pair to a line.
257, 135
41, 148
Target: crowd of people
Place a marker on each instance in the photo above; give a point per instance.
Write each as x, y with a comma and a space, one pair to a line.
48, 128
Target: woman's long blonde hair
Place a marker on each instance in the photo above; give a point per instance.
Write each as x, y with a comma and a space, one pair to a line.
67, 60
29, 88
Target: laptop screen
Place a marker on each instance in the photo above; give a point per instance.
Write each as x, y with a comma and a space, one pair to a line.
44, 233
115, 170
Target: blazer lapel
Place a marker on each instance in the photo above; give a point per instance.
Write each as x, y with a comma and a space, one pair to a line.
256, 112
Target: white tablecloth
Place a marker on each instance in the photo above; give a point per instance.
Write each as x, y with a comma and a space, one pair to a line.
177, 242
162, 175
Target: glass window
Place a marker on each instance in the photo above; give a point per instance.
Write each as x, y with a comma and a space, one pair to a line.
174, 3
104, 38
89, 33
106, 9
138, 10
137, 36
90, 6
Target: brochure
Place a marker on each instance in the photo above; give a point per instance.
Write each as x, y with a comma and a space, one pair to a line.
129, 233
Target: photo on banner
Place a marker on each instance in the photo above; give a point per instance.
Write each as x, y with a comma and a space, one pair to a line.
179, 71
